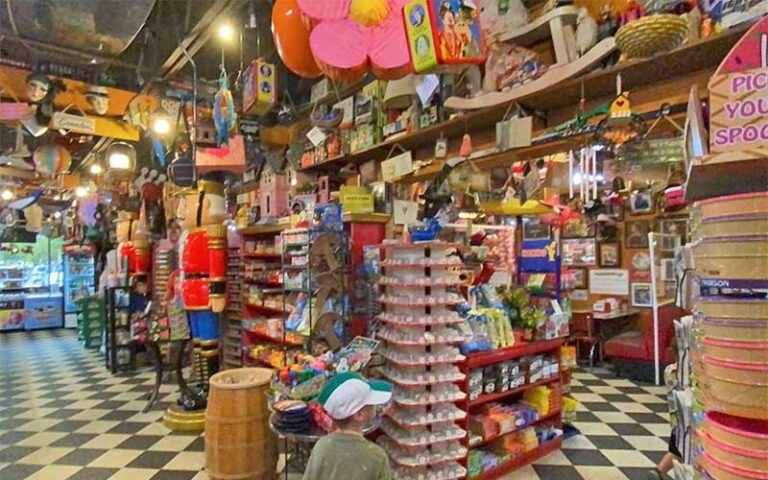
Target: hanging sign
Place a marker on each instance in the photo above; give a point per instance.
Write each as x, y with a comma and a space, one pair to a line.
738, 95
539, 256
397, 166
609, 281
103, 127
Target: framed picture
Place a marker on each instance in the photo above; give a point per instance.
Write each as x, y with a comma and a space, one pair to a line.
670, 244
642, 294
616, 210
674, 226
636, 233
578, 251
580, 278
610, 254
641, 202
533, 229
667, 269
577, 228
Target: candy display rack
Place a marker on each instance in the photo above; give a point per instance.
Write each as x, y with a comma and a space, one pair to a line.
232, 325
419, 285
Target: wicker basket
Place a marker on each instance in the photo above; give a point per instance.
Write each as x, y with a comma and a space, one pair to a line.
652, 35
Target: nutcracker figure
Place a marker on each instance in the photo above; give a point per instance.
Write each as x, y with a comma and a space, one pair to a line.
133, 252
201, 212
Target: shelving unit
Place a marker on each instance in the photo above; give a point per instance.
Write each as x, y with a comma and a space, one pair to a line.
79, 276
232, 327
260, 293
422, 432
163, 263
90, 321
486, 359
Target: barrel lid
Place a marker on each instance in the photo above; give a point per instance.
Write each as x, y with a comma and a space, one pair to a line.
239, 378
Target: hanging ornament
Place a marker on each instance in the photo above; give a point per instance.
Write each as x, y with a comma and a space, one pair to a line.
51, 160
223, 110
98, 98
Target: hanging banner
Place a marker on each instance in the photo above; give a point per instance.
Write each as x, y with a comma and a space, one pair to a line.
738, 95
539, 256
86, 125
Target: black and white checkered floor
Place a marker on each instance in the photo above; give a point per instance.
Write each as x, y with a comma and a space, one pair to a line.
63, 416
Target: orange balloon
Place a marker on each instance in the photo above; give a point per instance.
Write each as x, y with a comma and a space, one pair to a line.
292, 39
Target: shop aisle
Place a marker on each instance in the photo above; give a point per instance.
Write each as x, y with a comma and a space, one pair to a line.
63, 416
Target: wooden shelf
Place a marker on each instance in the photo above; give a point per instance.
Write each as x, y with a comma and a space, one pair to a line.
538, 29
366, 217
696, 56
263, 229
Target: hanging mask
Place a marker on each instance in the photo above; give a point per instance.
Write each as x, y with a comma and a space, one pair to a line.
38, 86
98, 99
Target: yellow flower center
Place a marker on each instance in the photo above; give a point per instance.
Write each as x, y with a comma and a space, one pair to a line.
368, 12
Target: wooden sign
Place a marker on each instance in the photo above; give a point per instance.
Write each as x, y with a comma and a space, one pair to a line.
86, 125
739, 96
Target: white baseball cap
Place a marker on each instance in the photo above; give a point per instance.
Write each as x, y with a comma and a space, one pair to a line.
347, 393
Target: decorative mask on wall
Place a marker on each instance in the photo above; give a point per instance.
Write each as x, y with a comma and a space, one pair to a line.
98, 99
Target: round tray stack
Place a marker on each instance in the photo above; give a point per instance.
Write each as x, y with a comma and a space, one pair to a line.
730, 254
419, 285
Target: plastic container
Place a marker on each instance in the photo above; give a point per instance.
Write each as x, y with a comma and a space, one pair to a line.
729, 308
736, 388
743, 258
720, 471
737, 432
728, 350
741, 204
749, 460
738, 330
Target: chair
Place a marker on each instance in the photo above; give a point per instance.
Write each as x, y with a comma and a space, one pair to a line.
583, 331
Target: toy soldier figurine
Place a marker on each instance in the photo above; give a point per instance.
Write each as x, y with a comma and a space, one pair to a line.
133, 252
201, 212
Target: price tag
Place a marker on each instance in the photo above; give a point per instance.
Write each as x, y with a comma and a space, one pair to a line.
316, 136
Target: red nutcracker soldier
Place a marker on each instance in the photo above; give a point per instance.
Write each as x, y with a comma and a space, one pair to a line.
133, 252
201, 212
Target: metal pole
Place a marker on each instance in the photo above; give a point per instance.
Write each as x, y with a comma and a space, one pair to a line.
192, 133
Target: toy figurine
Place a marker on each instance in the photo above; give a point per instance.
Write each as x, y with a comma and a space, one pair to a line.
607, 25
586, 31
201, 212
133, 252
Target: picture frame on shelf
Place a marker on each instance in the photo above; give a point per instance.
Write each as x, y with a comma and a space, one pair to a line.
641, 294
577, 228
610, 254
674, 226
579, 251
534, 229
636, 233
580, 278
641, 202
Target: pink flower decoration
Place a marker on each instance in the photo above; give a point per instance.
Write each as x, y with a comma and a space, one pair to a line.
345, 50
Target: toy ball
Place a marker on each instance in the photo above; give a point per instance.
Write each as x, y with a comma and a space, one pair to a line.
51, 160
292, 39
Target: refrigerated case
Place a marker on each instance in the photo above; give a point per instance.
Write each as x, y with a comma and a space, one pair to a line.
79, 279
30, 284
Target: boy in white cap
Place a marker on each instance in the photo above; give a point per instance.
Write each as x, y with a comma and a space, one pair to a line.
351, 401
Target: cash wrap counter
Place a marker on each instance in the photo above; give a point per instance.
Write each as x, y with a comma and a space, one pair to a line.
31, 311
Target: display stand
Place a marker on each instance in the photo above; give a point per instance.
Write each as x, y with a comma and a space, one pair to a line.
120, 352
512, 355
232, 355
90, 321
421, 435
79, 277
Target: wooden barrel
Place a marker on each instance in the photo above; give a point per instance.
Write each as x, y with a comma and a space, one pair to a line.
238, 442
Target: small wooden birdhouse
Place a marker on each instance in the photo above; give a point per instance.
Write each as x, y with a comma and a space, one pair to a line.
273, 194
620, 111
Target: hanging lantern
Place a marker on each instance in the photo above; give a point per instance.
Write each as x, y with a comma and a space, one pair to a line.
52, 160
121, 156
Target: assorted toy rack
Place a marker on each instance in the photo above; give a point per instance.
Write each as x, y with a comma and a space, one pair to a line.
419, 284
90, 321
261, 300
163, 263
528, 373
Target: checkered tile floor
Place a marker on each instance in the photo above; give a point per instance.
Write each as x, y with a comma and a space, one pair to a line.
63, 416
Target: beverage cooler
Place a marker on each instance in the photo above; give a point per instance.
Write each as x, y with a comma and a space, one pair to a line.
79, 279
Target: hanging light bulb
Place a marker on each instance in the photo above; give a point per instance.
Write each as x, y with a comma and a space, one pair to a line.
81, 191
6, 195
96, 169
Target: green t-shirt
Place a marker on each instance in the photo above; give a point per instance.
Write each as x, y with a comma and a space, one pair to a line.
343, 455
